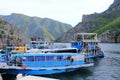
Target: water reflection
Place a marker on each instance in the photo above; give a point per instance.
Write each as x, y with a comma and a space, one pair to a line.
80, 74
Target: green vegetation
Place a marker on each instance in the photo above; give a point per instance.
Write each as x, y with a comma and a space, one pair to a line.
101, 20
35, 26
1, 36
114, 24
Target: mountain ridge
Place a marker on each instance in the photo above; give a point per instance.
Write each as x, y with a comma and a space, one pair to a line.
96, 21
36, 26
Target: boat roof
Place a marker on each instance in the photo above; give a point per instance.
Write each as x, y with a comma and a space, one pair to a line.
96, 41
38, 41
91, 41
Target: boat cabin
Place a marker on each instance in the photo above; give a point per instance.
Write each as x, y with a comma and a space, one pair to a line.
19, 49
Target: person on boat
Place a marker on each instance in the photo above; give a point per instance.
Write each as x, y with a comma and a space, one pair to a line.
79, 47
92, 47
19, 61
14, 60
97, 49
85, 48
9, 60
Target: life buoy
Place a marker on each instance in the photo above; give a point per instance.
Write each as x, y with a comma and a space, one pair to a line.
23, 66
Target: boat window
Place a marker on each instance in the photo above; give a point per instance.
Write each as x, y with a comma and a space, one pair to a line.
39, 58
34, 43
29, 58
59, 58
67, 51
50, 58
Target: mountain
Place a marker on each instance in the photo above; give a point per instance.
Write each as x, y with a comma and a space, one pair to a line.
106, 24
11, 35
35, 26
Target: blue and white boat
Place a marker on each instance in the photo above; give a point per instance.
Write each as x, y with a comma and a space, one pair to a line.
87, 43
38, 43
47, 61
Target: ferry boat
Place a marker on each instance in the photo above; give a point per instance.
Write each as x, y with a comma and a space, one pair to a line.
38, 43
47, 61
88, 43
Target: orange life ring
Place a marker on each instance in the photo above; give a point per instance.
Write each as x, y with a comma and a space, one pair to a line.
23, 66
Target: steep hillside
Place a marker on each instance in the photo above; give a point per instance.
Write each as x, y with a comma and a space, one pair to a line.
35, 26
110, 32
102, 23
10, 35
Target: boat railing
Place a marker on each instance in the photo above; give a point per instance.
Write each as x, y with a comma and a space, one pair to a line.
95, 51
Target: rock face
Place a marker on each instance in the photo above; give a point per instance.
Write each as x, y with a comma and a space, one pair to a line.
115, 5
102, 23
10, 35
110, 36
86, 18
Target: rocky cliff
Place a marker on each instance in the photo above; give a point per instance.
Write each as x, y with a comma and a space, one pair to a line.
11, 35
106, 24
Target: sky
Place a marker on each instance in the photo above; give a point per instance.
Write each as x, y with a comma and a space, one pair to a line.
66, 11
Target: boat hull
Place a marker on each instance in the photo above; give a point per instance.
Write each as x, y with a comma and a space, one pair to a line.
100, 55
44, 71
36, 72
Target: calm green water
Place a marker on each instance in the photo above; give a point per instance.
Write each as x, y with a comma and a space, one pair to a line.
107, 68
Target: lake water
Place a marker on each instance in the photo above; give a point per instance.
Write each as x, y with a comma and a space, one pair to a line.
107, 68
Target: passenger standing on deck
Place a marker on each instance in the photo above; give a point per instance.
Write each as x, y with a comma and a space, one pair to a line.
92, 47
97, 48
